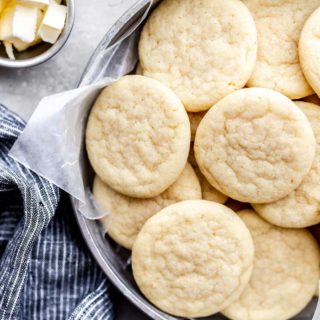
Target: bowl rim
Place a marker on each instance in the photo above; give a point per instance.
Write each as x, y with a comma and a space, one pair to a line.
52, 51
139, 301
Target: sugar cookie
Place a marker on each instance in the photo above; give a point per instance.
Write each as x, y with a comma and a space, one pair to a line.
193, 258
208, 51
279, 23
128, 215
309, 47
285, 272
255, 146
301, 208
138, 136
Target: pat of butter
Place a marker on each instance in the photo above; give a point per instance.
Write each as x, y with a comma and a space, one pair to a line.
19, 22
36, 3
53, 22
21, 45
3, 4
9, 50
6, 21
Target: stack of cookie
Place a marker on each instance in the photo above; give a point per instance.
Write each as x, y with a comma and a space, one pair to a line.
180, 149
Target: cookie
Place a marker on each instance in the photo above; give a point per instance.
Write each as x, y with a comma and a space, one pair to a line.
208, 191
193, 258
208, 51
285, 272
279, 23
138, 136
301, 208
309, 46
195, 119
255, 146
128, 215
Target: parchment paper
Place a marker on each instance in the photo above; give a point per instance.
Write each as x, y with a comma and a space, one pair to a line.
52, 144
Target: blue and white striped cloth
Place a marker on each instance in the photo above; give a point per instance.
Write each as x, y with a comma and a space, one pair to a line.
46, 272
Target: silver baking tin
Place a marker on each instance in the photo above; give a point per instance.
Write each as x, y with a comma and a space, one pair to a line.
43, 51
113, 259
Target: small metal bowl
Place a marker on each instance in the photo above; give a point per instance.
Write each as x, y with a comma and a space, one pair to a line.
43, 51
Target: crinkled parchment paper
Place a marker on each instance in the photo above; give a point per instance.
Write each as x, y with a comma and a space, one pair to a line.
52, 144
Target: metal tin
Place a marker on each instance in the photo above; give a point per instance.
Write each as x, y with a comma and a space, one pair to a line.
113, 259
43, 51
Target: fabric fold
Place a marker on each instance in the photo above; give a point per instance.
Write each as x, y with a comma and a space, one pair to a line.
46, 271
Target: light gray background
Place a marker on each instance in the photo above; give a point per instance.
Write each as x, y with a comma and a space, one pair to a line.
21, 90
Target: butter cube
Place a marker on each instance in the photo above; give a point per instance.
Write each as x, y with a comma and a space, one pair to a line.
3, 4
11, 3
41, 4
6, 21
19, 22
9, 50
53, 22
21, 45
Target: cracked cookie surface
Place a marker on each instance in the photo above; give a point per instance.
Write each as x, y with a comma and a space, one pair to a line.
309, 48
128, 215
301, 208
208, 51
279, 24
193, 258
285, 272
255, 146
138, 136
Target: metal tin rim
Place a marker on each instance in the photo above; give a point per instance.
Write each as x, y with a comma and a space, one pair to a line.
110, 37
52, 51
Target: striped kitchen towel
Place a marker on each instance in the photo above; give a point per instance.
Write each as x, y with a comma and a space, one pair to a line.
46, 271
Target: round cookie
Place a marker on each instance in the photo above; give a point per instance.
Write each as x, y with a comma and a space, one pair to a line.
255, 146
193, 258
208, 191
309, 46
128, 215
284, 276
138, 136
301, 208
195, 119
208, 52
279, 23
